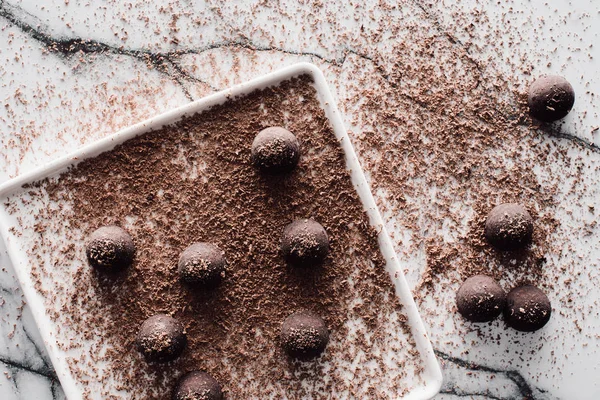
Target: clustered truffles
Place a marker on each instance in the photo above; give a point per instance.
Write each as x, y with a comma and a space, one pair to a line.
304, 243
480, 298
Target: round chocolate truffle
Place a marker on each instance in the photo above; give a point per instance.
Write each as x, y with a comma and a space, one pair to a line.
304, 335
275, 151
202, 264
527, 308
480, 299
161, 338
198, 385
509, 227
110, 248
550, 98
304, 243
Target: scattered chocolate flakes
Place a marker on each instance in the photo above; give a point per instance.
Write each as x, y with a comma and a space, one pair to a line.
194, 181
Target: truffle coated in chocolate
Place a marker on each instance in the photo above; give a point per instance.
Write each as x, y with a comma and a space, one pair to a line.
275, 151
304, 243
527, 308
202, 264
198, 385
480, 299
304, 335
161, 338
550, 98
509, 227
110, 248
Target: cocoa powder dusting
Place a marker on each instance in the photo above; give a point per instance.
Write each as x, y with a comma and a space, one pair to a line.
194, 181
443, 139
442, 148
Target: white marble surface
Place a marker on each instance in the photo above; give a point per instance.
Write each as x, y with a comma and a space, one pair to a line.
72, 72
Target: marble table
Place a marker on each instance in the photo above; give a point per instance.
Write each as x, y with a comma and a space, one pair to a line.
73, 71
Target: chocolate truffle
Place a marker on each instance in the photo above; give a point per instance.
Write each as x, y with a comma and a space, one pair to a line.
509, 227
275, 151
304, 243
550, 98
304, 335
161, 338
527, 309
202, 264
110, 248
198, 385
480, 299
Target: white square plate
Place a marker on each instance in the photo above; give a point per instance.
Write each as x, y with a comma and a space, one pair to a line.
18, 229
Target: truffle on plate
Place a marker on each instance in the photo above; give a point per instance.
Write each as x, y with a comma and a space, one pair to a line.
304, 243
509, 227
550, 98
161, 338
275, 151
110, 248
527, 308
202, 264
198, 385
480, 299
304, 335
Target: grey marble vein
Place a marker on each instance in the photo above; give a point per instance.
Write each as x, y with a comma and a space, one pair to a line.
166, 62
162, 61
518, 386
